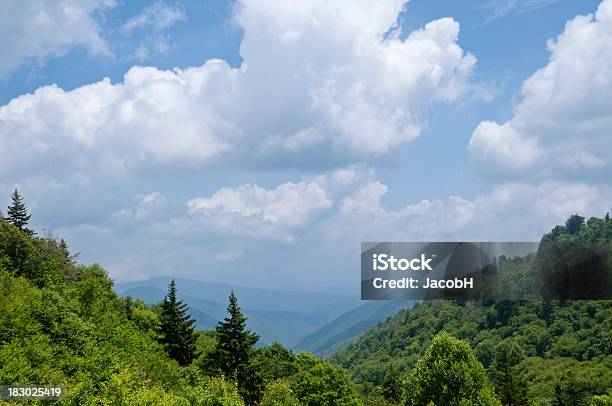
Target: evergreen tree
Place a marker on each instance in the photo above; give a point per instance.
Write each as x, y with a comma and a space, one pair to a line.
392, 385
18, 213
177, 331
510, 383
573, 223
233, 353
63, 246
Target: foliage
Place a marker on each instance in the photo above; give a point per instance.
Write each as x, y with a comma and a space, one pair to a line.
319, 383
278, 393
217, 392
448, 374
550, 336
274, 362
392, 386
602, 400
62, 324
510, 382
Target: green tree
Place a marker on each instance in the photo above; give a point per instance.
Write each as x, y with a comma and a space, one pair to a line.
392, 386
574, 223
449, 374
510, 383
318, 383
233, 353
278, 393
218, 392
570, 392
18, 252
274, 362
601, 400
177, 331
17, 213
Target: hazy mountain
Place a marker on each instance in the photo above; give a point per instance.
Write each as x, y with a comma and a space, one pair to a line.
349, 326
276, 315
305, 321
253, 298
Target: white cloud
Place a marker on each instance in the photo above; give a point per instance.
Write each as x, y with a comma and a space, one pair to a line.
500, 8
154, 117
147, 206
255, 211
519, 211
561, 127
34, 30
237, 232
320, 83
158, 15
363, 217
154, 20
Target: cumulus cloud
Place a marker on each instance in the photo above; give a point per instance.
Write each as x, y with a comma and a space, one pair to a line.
519, 211
561, 126
113, 129
255, 211
33, 30
320, 82
527, 210
363, 217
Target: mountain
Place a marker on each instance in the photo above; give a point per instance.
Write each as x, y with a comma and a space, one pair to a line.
276, 315
252, 298
560, 347
304, 321
348, 326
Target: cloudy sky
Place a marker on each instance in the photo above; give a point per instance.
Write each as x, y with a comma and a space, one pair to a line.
258, 142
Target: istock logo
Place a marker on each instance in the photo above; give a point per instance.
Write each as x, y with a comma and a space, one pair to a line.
382, 262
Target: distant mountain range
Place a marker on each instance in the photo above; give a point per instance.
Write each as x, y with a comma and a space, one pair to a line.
348, 326
304, 321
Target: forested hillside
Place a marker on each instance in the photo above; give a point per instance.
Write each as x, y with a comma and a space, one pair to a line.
560, 352
62, 324
345, 328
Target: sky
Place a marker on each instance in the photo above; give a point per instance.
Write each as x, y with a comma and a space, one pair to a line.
259, 142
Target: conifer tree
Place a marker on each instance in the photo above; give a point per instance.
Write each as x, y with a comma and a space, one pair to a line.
177, 331
392, 386
233, 353
63, 246
17, 213
510, 383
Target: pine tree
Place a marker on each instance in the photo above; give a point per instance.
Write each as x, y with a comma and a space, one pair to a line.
69, 259
392, 386
177, 331
18, 213
510, 383
233, 353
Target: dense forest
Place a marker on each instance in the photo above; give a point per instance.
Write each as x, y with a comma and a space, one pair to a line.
556, 352
62, 324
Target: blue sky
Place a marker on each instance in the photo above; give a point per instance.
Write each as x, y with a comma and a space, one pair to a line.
291, 132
